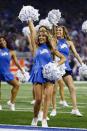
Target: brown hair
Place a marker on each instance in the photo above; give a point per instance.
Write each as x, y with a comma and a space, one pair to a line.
8, 42
65, 32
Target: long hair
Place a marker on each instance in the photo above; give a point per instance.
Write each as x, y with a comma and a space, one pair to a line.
8, 42
1, 36
65, 32
47, 39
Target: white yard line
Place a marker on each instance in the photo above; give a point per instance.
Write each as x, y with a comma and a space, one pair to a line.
31, 108
57, 102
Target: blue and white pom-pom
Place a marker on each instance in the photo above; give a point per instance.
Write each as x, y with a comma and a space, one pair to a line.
84, 26
28, 13
83, 70
22, 77
52, 71
26, 31
54, 16
46, 23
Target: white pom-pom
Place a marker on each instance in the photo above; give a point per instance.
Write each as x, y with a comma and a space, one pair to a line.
26, 31
22, 77
46, 23
83, 70
53, 72
62, 67
54, 16
26, 77
28, 13
84, 26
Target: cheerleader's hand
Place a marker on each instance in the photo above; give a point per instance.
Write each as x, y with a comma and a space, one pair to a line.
23, 71
24, 75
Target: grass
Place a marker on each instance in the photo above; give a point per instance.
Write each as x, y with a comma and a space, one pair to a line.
24, 110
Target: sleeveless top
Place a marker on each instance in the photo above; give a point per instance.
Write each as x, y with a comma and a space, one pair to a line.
5, 58
63, 48
42, 57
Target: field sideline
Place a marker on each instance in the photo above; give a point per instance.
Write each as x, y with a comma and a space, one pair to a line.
24, 110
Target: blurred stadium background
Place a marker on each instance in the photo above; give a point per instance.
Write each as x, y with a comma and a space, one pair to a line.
74, 12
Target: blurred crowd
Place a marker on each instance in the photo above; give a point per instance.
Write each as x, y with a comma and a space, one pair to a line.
11, 27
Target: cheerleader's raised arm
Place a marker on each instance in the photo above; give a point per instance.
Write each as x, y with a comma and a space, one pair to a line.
33, 35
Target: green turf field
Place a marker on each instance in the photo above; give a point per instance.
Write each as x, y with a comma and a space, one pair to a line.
24, 110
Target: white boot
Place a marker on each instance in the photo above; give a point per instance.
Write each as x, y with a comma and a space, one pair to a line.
34, 122
44, 123
76, 112
53, 113
64, 103
40, 116
11, 106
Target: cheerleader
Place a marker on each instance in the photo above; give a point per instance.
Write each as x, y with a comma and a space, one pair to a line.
42, 53
64, 45
6, 54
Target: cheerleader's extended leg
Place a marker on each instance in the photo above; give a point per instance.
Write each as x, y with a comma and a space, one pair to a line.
53, 112
61, 91
47, 100
33, 101
40, 115
14, 92
69, 82
38, 98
